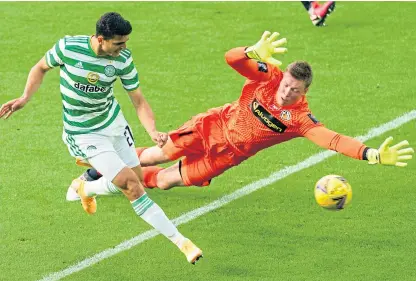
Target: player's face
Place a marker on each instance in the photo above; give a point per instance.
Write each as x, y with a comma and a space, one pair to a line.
290, 90
113, 47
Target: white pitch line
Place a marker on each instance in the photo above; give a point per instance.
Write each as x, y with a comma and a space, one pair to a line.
187, 217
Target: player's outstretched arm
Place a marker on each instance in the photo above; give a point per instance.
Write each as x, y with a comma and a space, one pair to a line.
33, 83
146, 116
266, 47
395, 155
385, 155
256, 62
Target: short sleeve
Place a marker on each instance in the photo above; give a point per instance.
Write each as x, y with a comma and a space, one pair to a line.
55, 56
129, 76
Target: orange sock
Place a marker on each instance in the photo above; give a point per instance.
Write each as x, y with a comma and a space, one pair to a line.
150, 175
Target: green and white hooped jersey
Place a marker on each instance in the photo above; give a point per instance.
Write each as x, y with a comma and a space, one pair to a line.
87, 81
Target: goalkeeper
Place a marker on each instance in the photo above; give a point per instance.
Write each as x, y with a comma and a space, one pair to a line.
272, 109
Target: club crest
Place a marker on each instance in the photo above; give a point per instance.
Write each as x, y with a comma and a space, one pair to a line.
109, 71
285, 115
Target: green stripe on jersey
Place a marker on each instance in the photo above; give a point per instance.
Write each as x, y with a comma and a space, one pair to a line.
87, 131
83, 80
91, 122
87, 82
87, 92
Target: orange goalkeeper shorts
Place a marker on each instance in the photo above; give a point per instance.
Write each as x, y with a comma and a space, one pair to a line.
207, 153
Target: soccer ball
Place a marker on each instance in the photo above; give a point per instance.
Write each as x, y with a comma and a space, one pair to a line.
333, 192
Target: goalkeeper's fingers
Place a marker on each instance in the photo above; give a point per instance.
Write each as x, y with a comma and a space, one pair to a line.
385, 144
274, 61
273, 37
405, 151
279, 50
401, 164
404, 154
400, 144
279, 42
404, 157
265, 35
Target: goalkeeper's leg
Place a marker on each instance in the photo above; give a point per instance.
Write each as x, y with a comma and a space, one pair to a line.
150, 156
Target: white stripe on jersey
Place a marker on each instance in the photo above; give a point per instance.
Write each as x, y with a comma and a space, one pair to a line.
84, 72
72, 82
73, 95
130, 87
96, 126
73, 75
98, 61
74, 107
80, 118
82, 45
130, 75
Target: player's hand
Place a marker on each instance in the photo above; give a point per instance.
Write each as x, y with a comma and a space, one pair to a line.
7, 109
159, 138
266, 47
391, 155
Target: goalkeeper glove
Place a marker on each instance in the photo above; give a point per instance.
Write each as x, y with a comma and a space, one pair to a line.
390, 155
266, 47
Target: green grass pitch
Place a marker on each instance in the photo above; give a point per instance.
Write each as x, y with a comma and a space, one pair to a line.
364, 66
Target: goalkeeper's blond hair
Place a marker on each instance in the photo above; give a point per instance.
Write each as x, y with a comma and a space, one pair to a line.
301, 70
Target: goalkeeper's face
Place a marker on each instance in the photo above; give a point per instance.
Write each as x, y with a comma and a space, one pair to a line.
112, 47
290, 90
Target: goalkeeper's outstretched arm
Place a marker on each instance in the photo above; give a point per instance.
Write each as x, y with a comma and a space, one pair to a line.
395, 155
256, 62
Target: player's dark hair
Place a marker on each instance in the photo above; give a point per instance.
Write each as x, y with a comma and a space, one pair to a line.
301, 70
112, 24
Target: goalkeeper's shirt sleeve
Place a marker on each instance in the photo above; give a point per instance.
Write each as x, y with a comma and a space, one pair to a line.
249, 68
334, 141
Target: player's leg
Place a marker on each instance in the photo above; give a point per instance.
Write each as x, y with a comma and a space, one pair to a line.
150, 156
146, 208
190, 171
202, 163
154, 215
168, 178
83, 147
318, 13
114, 169
310, 7
307, 5
101, 185
184, 141
187, 172
163, 178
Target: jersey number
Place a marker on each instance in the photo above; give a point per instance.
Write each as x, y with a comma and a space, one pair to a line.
129, 136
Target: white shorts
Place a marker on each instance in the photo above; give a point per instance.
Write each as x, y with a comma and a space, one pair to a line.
108, 150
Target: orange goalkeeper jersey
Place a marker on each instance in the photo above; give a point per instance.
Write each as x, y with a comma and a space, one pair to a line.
255, 121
